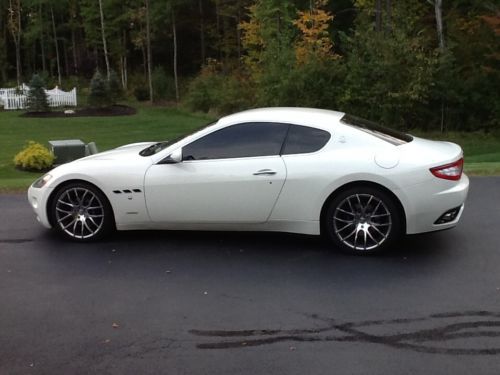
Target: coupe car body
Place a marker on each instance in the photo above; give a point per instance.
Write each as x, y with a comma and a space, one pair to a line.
276, 169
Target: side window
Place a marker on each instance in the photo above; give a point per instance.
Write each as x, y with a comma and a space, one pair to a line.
238, 141
303, 139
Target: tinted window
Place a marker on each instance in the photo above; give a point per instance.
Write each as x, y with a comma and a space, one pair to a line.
237, 141
389, 135
303, 139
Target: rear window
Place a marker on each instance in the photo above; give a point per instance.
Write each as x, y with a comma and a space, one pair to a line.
387, 134
304, 139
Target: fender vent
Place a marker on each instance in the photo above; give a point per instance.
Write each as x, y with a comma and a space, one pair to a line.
127, 191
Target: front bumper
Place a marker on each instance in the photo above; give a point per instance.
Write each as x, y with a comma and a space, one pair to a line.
38, 201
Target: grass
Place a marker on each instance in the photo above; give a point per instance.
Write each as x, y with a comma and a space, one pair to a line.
482, 151
149, 124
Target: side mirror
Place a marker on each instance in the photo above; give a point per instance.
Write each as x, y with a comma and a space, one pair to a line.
174, 158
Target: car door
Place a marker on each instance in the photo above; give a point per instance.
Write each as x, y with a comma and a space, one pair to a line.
232, 175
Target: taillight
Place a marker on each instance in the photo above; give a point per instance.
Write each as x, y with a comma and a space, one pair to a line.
452, 171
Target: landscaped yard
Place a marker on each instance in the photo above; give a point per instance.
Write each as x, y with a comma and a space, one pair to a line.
482, 152
150, 124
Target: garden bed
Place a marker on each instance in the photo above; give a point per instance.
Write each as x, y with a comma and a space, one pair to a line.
112, 110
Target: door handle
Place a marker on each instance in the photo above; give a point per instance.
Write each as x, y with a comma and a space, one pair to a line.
265, 172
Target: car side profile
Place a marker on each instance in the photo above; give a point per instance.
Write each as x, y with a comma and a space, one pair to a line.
298, 170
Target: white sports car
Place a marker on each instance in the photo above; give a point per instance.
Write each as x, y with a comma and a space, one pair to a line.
277, 169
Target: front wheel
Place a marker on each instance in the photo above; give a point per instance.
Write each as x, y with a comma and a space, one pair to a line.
81, 212
363, 220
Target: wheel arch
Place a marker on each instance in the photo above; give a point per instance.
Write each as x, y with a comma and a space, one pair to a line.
363, 183
61, 185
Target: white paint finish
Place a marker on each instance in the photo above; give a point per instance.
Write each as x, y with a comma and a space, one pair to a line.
225, 195
387, 158
214, 191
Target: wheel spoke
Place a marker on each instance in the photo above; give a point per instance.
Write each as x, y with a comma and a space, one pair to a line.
69, 224
65, 217
344, 221
344, 211
344, 227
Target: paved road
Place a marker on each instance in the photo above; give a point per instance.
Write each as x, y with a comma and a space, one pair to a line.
232, 303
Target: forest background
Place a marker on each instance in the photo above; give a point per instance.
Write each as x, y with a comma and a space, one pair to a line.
432, 65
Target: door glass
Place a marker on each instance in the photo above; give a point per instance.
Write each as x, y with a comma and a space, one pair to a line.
304, 139
238, 141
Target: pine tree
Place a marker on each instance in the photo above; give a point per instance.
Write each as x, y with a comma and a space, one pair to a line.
99, 92
37, 99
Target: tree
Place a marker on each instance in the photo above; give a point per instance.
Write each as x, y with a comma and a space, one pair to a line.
14, 25
314, 40
104, 45
99, 91
56, 44
37, 98
148, 46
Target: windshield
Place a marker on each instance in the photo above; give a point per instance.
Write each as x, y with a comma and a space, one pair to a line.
387, 134
157, 147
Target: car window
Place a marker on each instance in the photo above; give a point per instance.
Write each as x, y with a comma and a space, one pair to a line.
238, 141
304, 139
389, 135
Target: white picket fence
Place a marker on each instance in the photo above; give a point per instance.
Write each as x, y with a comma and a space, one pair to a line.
12, 98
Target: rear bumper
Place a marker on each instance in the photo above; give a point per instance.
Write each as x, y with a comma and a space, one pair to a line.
429, 201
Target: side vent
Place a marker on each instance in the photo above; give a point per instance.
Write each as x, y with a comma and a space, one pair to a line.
127, 191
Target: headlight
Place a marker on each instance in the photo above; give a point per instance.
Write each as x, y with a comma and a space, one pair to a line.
42, 181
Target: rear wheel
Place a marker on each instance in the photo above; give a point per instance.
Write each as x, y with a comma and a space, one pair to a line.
363, 220
81, 212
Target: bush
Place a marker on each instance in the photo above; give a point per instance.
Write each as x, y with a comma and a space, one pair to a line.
163, 85
34, 157
37, 98
99, 93
114, 88
214, 91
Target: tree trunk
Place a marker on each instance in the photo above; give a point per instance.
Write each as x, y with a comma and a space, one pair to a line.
42, 39
388, 9
439, 23
104, 45
378, 15
15, 29
202, 32
59, 80
148, 42
174, 33
73, 47
217, 25
238, 33
123, 60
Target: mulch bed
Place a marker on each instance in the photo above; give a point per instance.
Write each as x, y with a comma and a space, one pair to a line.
112, 110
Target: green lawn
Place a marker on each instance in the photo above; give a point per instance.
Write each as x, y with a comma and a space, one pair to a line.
482, 152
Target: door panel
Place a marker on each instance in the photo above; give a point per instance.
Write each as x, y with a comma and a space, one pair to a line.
215, 191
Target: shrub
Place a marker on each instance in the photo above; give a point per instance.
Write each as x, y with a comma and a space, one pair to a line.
34, 157
214, 91
114, 87
37, 98
99, 92
163, 85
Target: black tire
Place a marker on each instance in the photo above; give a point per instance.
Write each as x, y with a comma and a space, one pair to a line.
363, 220
81, 212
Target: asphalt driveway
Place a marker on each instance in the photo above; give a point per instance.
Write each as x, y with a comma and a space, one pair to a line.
250, 303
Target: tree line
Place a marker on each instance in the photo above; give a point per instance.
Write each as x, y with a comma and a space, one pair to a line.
431, 64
